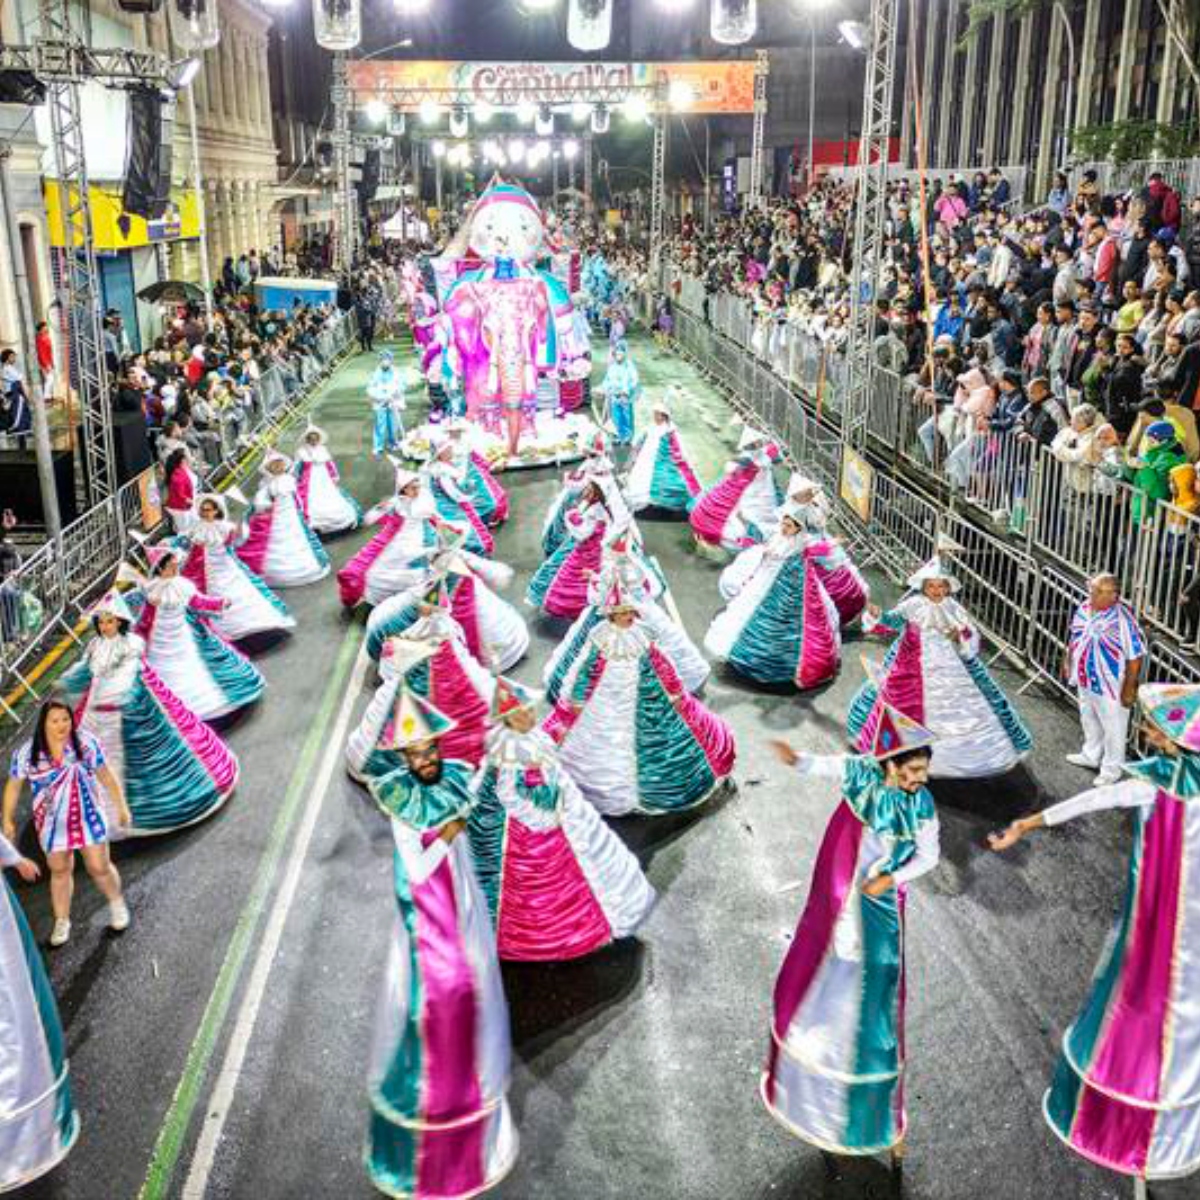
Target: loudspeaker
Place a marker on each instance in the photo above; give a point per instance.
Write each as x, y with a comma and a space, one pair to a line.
150, 125
370, 176
21, 87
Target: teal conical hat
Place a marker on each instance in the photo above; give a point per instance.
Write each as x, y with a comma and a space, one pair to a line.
112, 604
1175, 709
414, 720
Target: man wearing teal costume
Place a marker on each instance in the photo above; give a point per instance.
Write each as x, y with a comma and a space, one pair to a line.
439, 1126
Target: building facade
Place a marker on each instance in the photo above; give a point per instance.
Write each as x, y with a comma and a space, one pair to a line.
1012, 91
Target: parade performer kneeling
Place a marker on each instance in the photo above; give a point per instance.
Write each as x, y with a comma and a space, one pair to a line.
835, 1067
560, 883
208, 674
934, 674
214, 567
440, 1126
740, 510
661, 476
1124, 1091
629, 733
280, 547
326, 505
495, 632
173, 769
386, 393
396, 557
431, 659
38, 1121
780, 626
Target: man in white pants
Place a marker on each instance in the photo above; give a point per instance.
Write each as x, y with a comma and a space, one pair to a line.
1104, 663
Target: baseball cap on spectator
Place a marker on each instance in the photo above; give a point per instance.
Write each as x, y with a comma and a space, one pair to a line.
1161, 431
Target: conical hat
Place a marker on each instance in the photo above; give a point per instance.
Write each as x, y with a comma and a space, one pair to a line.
617, 597
934, 569
896, 734
310, 428
404, 652
1175, 709
157, 555
511, 696
112, 604
751, 437
437, 595
799, 482
414, 720
274, 456
404, 477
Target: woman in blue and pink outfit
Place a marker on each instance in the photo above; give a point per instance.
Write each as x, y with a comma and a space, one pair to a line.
835, 1067
1126, 1091
66, 768
740, 509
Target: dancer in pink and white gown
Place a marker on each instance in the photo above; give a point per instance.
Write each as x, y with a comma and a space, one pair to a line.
327, 506
280, 547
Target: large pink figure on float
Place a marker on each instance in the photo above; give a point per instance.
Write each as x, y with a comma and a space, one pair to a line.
509, 321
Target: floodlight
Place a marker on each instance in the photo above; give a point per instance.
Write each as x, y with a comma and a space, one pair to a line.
570, 148
681, 95
544, 124
376, 111
430, 111
635, 108
438, 148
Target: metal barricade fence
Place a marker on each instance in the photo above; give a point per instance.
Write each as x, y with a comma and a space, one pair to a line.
1166, 562
1054, 599
59, 581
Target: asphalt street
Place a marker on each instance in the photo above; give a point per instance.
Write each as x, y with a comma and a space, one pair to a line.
241, 1000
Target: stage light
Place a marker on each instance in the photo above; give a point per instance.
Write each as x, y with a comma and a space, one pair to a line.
337, 24
526, 112
675, 6
438, 148
853, 33
600, 117
376, 111
459, 125
430, 110
536, 8
681, 95
483, 111
194, 24
589, 24
274, 3
570, 148
733, 21
581, 110
397, 122
544, 123
635, 108
516, 150
411, 8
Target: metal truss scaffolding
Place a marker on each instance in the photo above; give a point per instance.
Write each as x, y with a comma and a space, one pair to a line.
346, 224
762, 71
870, 216
658, 180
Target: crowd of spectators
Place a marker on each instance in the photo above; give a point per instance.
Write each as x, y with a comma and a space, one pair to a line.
1074, 326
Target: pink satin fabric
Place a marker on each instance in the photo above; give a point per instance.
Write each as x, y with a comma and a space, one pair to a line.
714, 735
451, 692
713, 510
567, 595
902, 687
253, 551
498, 494
833, 879
216, 758
352, 578
303, 485
547, 909
820, 644
682, 465
449, 1161
464, 608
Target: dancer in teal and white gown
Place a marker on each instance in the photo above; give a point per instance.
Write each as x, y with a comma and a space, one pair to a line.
661, 476
38, 1121
440, 1126
835, 1064
933, 673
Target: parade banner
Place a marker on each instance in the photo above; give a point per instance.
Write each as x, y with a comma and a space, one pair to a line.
716, 87
857, 482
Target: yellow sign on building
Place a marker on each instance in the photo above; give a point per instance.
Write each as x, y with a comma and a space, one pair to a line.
114, 229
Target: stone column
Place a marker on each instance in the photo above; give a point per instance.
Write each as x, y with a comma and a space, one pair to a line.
1018, 108
994, 102
1168, 83
229, 81
966, 150
1085, 93
945, 92
1051, 118
1128, 60
214, 84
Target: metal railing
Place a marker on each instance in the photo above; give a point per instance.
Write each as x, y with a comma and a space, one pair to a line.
1030, 527
42, 601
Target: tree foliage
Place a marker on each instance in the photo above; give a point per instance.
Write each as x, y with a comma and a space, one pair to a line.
1132, 141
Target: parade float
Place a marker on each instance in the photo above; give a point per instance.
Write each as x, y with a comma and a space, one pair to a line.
500, 339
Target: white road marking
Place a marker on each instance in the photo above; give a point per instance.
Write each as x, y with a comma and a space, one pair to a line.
220, 1104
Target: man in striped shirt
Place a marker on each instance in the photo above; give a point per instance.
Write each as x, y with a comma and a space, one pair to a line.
1104, 660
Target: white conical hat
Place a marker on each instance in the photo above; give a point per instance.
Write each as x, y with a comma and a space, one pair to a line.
112, 604
799, 482
933, 569
751, 437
